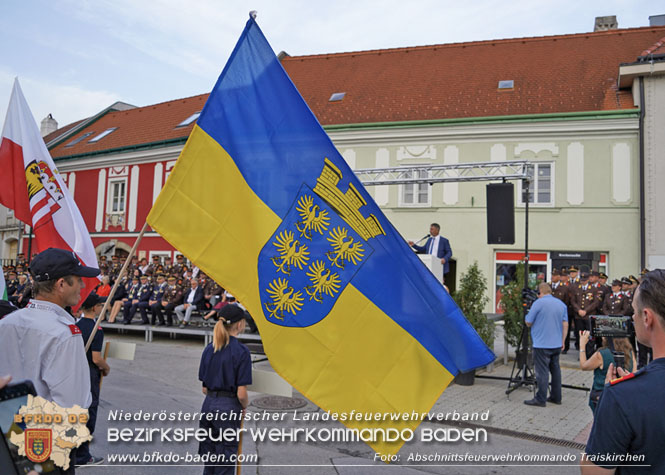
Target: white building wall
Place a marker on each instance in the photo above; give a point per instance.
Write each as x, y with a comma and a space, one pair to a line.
654, 171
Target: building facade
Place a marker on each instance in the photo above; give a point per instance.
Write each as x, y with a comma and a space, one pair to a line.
554, 101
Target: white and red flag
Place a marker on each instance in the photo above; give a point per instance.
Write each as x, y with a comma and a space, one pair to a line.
31, 185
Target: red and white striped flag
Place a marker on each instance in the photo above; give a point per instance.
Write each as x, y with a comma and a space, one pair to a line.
31, 185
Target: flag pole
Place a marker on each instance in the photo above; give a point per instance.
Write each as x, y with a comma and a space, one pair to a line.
29, 246
115, 285
238, 463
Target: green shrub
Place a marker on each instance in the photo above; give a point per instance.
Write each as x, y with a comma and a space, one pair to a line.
471, 300
511, 304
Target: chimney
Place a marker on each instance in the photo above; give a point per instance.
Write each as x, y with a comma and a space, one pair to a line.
49, 124
604, 23
657, 20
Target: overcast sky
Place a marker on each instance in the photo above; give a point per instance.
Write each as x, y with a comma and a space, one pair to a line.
76, 57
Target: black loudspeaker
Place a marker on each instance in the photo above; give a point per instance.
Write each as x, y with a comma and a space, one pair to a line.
500, 213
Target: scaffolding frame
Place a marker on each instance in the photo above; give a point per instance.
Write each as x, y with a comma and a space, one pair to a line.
452, 173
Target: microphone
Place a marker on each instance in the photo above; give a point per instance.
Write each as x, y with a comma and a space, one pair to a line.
428, 236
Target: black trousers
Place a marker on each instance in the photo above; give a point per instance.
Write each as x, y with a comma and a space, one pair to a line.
156, 313
168, 310
546, 362
143, 308
227, 448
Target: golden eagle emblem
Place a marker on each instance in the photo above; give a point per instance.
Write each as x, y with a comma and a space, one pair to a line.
344, 248
284, 299
291, 253
312, 217
323, 282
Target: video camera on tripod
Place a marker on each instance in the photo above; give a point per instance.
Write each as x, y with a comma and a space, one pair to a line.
528, 297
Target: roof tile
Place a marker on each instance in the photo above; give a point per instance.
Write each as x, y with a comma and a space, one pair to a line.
555, 74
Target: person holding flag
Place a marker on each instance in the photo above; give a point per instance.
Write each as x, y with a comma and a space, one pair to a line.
31, 186
296, 238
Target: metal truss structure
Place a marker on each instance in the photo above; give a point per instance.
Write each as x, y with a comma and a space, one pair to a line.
459, 172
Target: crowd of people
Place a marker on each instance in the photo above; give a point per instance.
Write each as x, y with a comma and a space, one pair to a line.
160, 292
570, 302
588, 293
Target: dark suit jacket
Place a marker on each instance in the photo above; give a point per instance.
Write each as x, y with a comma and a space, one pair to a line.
443, 252
198, 296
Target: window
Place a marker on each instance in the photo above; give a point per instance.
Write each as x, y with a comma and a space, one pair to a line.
506, 263
161, 254
189, 119
415, 194
77, 140
508, 84
102, 135
541, 184
337, 96
117, 196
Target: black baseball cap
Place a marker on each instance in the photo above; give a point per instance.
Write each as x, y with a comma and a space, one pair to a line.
92, 300
54, 263
231, 313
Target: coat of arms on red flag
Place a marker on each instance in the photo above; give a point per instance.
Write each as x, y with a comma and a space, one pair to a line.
44, 192
38, 444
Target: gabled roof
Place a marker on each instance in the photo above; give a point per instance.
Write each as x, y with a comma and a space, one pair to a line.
657, 49
61, 131
140, 126
554, 74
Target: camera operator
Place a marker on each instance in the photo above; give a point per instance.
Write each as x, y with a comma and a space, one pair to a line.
630, 418
548, 320
600, 362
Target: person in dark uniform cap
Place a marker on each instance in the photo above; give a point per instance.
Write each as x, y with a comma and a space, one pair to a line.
615, 302
630, 418
178, 267
225, 371
171, 299
142, 294
585, 302
605, 289
574, 278
98, 367
560, 291
565, 282
155, 302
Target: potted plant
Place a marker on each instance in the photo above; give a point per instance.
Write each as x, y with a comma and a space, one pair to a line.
471, 299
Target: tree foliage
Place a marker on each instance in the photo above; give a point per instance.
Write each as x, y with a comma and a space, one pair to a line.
471, 299
511, 304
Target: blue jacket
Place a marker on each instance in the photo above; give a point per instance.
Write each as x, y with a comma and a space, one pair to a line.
199, 298
444, 251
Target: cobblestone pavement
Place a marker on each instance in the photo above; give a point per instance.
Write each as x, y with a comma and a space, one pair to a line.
163, 376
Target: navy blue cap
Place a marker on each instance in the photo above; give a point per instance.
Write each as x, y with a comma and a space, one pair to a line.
92, 300
54, 263
231, 313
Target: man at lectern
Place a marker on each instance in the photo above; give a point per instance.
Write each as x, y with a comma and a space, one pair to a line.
436, 245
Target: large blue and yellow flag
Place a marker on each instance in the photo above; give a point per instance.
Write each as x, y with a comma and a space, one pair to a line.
262, 201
